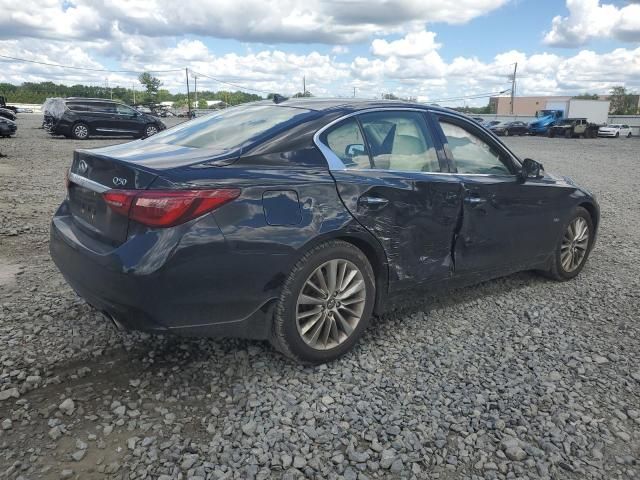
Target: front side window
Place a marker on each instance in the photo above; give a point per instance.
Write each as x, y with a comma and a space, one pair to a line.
470, 153
399, 141
124, 110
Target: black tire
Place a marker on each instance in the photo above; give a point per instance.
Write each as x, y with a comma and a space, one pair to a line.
551, 133
568, 133
285, 336
617, 134
629, 135
506, 133
556, 271
80, 131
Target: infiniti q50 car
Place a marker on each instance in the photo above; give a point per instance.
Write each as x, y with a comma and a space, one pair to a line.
297, 221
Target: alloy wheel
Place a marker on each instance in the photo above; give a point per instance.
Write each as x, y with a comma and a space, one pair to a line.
330, 304
151, 130
81, 131
575, 242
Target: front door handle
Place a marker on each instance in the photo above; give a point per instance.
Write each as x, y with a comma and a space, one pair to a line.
372, 202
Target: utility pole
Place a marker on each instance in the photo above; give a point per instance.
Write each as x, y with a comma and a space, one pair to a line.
513, 86
304, 86
354, 92
186, 72
133, 87
195, 88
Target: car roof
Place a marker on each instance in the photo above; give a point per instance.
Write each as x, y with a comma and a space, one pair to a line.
86, 99
351, 104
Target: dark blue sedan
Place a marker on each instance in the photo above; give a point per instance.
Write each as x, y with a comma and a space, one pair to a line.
297, 221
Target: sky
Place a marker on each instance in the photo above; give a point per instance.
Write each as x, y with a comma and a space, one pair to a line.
435, 50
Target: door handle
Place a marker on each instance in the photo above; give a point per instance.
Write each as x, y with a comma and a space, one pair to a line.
475, 201
373, 202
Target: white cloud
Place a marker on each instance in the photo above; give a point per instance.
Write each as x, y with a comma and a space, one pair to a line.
589, 19
314, 21
414, 45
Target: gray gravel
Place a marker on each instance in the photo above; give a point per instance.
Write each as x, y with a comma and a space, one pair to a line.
515, 378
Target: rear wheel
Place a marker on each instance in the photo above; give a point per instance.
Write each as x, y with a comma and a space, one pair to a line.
629, 135
551, 133
568, 133
326, 304
80, 131
617, 134
573, 249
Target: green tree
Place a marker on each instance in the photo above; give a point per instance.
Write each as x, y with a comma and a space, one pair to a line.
623, 102
303, 94
587, 96
202, 103
152, 85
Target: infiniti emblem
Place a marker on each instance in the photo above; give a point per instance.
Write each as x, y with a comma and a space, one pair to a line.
82, 166
119, 181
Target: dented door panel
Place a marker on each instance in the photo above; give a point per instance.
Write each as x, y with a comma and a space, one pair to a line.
415, 220
508, 225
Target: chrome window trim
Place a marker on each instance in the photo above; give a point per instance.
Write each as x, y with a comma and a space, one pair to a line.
335, 164
88, 184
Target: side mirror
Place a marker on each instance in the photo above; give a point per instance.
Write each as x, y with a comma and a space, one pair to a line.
354, 149
530, 169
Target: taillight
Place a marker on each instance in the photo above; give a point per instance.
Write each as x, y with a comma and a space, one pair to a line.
167, 208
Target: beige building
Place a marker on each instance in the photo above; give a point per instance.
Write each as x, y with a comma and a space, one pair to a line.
526, 106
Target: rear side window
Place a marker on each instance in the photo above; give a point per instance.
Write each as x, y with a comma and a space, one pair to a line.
399, 141
77, 107
470, 153
347, 143
235, 127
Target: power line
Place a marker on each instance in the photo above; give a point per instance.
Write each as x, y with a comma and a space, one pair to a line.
469, 97
86, 68
229, 83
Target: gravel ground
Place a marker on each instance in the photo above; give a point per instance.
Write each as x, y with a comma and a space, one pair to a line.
515, 378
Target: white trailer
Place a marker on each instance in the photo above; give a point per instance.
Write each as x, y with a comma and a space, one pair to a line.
595, 111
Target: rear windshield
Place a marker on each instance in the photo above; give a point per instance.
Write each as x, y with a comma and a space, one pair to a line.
234, 127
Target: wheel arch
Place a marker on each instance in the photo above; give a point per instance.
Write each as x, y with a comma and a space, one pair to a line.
378, 262
593, 213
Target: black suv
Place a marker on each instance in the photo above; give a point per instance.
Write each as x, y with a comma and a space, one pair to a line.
80, 118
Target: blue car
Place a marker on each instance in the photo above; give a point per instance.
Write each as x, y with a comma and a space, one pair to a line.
297, 221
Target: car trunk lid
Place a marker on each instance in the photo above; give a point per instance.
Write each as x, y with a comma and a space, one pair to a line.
90, 176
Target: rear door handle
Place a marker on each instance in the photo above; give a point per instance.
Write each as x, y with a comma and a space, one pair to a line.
373, 202
476, 201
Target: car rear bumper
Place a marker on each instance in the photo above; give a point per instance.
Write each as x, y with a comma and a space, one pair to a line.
151, 283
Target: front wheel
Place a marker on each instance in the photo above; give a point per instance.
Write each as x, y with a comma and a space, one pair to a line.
629, 135
568, 134
574, 247
325, 305
506, 133
150, 130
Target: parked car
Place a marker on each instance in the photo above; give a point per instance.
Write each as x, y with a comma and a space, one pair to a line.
7, 127
573, 127
24, 110
297, 221
8, 114
615, 130
3, 104
510, 128
81, 118
478, 119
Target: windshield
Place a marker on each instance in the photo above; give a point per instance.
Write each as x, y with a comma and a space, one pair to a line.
234, 127
545, 113
615, 126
